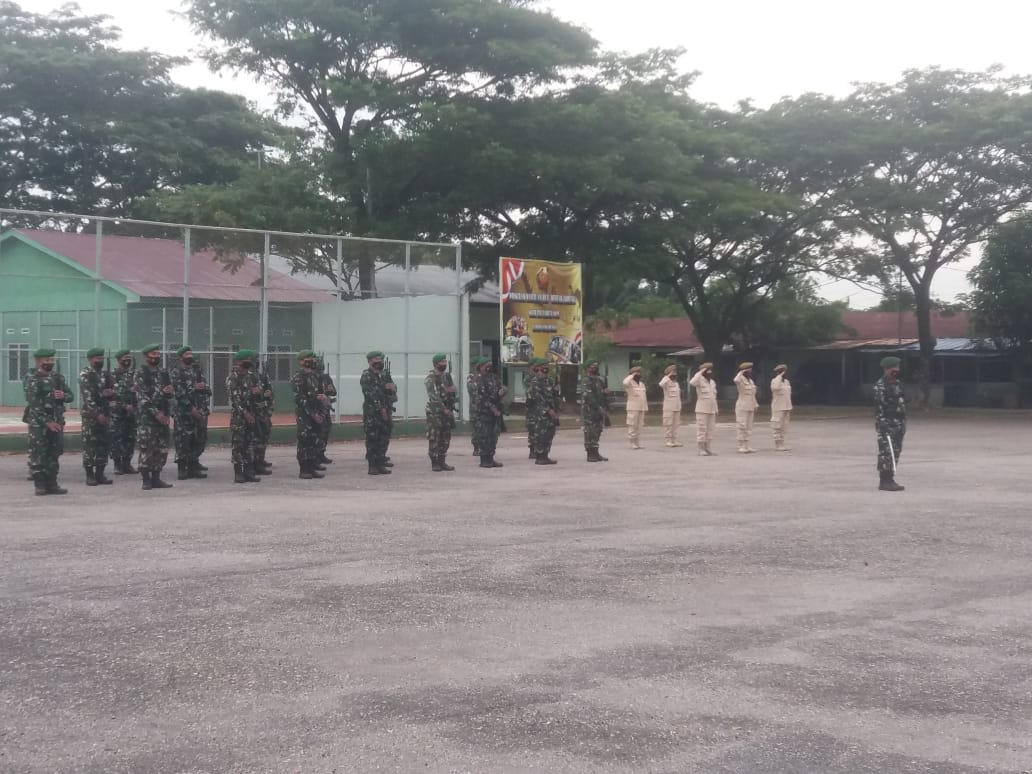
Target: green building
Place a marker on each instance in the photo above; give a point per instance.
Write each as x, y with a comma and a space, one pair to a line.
146, 290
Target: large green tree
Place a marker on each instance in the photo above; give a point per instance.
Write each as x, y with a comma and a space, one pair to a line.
928, 166
88, 127
1001, 302
365, 73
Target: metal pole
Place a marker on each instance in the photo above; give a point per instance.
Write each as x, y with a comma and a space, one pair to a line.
211, 344
408, 323
186, 287
338, 406
164, 330
263, 313
97, 284
464, 354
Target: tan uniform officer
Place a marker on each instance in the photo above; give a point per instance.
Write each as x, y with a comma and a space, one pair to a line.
705, 407
780, 406
745, 408
671, 405
637, 405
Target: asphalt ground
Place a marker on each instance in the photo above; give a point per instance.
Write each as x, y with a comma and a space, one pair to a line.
661, 612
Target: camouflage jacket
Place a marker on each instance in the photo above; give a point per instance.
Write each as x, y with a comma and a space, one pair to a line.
240, 386
440, 393
92, 386
541, 396
473, 390
594, 396
185, 399
124, 388
40, 404
201, 389
889, 402
306, 387
488, 398
148, 385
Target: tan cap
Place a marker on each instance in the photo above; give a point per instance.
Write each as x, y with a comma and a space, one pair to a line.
670, 369
706, 366
745, 366
635, 370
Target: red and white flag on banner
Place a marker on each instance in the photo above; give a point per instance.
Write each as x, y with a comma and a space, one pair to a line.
511, 271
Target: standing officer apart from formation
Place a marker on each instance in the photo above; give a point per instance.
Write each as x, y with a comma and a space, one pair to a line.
780, 406
488, 405
377, 403
123, 417
154, 395
705, 407
245, 401
46, 394
309, 413
441, 401
594, 409
890, 422
745, 408
671, 405
637, 406
97, 392
188, 415
542, 411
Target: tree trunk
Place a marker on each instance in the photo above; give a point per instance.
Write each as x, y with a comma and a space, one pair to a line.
926, 341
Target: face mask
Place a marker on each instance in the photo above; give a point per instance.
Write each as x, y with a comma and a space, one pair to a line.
47, 366
153, 361
125, 363
98, 366
187, 360
377, 366
442, 366
245, 364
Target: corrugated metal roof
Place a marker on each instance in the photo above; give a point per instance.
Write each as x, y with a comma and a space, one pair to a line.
153, 268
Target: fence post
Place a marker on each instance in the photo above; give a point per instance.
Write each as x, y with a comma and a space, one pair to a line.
97, 283
186, 287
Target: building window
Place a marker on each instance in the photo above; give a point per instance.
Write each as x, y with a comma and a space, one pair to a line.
17, 362
280, 362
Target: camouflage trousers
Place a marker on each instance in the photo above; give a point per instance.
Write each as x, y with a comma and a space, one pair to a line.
123, 436
592, 430
377, 437
475, 420
96, 443
202, 434
45, 449
152, 440
541, 431
325, 430
438, 435
187, 438
243, 440
889, 431
262, 432
307, 441
485, 434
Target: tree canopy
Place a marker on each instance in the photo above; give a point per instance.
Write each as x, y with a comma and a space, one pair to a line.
1001, 302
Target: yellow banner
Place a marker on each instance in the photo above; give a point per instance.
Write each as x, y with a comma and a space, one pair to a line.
541, 311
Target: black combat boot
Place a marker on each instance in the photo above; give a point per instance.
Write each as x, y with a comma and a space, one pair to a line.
385, 467
198, 466
435, 464
314, 471
184, 470
261, 466
238, 475
91, 476
374, 469
127, 466
52, 487
323, 459
156, 482
888, 483
249, 475
318, 466
145, 475
101, 478
594, 456
485, 461
119, 471
195, 470
387, 463
40, 480
444, 465
544, 459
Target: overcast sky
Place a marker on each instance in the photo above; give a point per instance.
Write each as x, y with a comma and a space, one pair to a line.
753, 49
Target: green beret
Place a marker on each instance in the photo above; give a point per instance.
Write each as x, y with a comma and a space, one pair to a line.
244, 354
45, 352
590, 362
95, 352
540, 361
304, 354
482, 360
122, 353
182, 349
150, 348
890, 362
439, 357
374, 354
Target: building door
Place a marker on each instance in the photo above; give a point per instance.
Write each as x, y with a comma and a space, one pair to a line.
222, 362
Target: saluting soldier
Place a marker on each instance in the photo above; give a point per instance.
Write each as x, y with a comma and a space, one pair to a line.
441, 400
745, 408
245, 401
637, 405
97, 389
890, 422
309, 413
671, 405
594, 409
154, 395
705, 408
188, 415
123, 417
46, 394
488, 405
780, 406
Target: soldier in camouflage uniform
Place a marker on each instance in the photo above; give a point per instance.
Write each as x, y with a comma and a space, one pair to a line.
123, 417
329, 389
46, 394
245, 400
441, 400
310, 413
378, 397
472, 380
542, 411
594, 409
97, 391
890, 421
154, 396
187, 414
265, 407
488, 406
203, 392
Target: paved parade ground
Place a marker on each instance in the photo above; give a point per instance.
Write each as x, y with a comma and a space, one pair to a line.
658, 613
